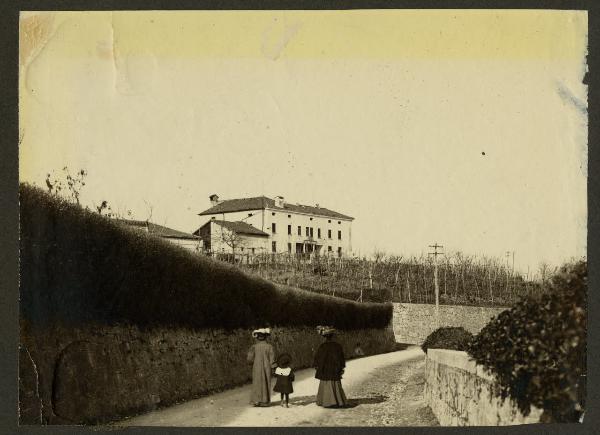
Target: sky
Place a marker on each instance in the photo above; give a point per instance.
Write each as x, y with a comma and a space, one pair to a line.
466, 128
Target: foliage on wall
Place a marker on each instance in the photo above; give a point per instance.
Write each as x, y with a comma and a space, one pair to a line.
537, 349
452, 338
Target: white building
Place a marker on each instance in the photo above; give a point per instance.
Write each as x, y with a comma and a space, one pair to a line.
290, 228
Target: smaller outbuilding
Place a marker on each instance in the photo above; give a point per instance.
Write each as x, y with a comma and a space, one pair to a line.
237, 238
185, 240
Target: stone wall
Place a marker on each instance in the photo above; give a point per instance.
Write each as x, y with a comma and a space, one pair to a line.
414, 322
95, 375
460, 393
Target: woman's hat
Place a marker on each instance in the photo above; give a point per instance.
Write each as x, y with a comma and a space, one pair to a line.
263, 331
284, 359
326, 330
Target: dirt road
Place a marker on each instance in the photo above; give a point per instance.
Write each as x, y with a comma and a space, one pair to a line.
384, 390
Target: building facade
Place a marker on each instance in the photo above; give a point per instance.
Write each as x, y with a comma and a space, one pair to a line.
224, 237
291, 228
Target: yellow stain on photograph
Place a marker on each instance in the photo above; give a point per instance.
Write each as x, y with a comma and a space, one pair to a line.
467, 126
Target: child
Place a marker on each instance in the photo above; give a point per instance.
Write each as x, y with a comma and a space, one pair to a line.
285, 377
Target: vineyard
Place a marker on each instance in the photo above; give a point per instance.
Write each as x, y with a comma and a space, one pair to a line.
463, 280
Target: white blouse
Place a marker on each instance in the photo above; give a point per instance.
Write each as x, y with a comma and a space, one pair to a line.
283, 372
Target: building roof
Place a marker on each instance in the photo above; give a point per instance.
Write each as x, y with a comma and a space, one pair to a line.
158, 230
262, 202
237, 227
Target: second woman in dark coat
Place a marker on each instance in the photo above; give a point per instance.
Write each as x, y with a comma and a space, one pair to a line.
330, 364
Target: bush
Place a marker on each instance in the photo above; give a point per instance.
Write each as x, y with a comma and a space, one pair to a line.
537, 349
78, 267
453, 338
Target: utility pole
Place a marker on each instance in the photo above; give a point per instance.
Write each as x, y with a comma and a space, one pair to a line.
513, 261
435, 253
507, 254
512, 275
527, 280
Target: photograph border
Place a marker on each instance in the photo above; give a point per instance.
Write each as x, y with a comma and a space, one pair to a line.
9, 240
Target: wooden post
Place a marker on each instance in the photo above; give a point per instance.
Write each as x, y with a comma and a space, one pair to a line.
435, 246
437, 293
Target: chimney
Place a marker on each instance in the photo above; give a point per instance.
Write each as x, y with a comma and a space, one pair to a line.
214, 199
279, 201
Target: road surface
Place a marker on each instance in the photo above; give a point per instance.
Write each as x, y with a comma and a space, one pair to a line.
383, 390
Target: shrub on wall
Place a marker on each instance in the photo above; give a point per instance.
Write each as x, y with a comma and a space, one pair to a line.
537, 349
78, 267
453, 338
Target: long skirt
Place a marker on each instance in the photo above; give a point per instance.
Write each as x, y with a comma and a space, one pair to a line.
331, 393
261, 389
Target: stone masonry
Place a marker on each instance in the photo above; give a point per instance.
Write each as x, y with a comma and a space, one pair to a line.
95, 375
461, 393
414, 322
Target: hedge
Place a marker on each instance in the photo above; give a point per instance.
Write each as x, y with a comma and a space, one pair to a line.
537, 349
79, 267
448, 337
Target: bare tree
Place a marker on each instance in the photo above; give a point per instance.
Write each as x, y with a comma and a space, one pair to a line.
104, 209
378, 256
67, 185
545, 271
150, 210
231, 238
489, 273
446, 267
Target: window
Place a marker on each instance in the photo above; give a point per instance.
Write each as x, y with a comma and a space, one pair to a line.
329, 221
329, 249
290, 230
289, 215
339, 222
290, 248
249, 214
307, 231
339, 234
274, 247
329, 234
339, 252
311, 219
319, 233
299, 230
253, 250
311, 231
242, 249
273, 228
213, 217
273, 214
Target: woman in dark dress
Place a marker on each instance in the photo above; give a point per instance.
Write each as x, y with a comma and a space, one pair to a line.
330, 364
